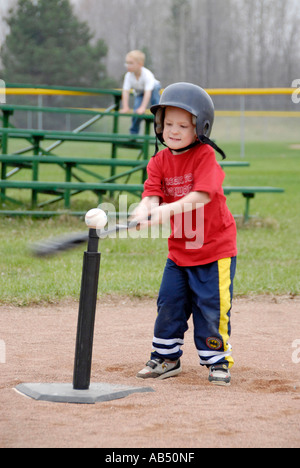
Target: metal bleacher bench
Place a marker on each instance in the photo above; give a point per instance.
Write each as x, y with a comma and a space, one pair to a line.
40, 155
73, 183
65, 187
249, 193
99, 187
40, 135
68, 187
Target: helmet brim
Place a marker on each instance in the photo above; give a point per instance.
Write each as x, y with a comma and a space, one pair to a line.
178, 105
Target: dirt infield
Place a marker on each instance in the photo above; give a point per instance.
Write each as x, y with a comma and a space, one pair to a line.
260, 409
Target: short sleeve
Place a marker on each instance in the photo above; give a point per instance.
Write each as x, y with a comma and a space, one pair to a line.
127, 82
208, 174
153, 185
149, 80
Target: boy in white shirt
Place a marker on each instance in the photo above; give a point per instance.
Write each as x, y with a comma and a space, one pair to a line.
143, 82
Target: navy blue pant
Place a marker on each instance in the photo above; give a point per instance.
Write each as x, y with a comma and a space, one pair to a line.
205, 292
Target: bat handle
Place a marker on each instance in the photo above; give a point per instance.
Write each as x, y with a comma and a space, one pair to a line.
93, 241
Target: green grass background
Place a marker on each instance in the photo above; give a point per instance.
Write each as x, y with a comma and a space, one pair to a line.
269, 246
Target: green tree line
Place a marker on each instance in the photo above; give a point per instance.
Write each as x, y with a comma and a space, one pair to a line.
48, 44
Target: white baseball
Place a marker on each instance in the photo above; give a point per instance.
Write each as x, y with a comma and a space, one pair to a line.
96, 218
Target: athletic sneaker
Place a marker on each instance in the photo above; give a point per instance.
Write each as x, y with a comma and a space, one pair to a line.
160, 369
219, 375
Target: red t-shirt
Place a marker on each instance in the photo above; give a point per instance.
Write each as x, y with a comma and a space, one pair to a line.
204, 235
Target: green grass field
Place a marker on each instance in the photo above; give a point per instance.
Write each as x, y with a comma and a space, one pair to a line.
269, 246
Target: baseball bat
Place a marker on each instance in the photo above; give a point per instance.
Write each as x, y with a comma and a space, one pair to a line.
47, 248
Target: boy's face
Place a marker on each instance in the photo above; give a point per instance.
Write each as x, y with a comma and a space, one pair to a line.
179, 130
132, 64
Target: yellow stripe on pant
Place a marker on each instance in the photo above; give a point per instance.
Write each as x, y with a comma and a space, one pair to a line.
224, 266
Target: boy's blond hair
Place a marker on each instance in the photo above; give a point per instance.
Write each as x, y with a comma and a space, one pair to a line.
137, 55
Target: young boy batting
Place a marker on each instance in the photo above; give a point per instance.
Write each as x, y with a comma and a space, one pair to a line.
184, 184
